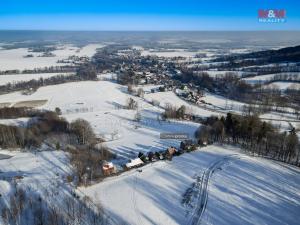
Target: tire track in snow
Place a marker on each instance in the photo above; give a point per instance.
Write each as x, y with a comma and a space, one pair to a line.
202, 194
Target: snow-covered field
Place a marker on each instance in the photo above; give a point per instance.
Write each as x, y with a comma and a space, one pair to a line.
283, 85
14, 58
244, 190
284, 122
13, 78
279, 116
213, 185
216, 73
73, 96
258, 79
102, 104
170, 53
218, 104
170, 97
240, 50
263, 78
88, 50
222, 102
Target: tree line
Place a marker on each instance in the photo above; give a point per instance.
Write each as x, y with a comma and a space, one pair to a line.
17, 112
288, 54
253, 135
50, 69
84, 72
35, 132
43, 125
231, 86
173, 112
47, 127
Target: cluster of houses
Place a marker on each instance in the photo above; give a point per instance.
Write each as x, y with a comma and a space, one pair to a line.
75, 60
146, 69
152, 157
165, 87
144, 76
190, 95
185, 146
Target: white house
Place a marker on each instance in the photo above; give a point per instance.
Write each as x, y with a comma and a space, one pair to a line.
134, 163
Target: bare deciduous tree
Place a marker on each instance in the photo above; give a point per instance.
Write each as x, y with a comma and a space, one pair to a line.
83, 130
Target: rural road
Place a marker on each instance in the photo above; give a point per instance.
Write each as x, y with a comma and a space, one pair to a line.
202, 185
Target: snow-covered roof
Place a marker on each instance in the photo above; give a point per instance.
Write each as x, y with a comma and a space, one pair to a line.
134, 162
108, 165
179, 91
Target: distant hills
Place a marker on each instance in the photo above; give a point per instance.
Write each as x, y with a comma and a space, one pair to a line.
289, 54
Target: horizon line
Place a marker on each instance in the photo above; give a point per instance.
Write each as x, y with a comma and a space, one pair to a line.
66, 30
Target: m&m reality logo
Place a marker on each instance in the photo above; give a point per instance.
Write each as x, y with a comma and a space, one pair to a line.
272, 15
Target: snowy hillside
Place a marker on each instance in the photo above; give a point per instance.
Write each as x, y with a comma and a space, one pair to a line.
148, 132
240, 190
102, 104
39, 174
283, 85
171, 98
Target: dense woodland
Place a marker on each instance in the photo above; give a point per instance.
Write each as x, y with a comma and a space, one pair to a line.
35, 133
253, 135
290, 54
41, 125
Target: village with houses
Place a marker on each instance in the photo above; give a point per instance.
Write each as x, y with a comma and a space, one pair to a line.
186, 146
139, 132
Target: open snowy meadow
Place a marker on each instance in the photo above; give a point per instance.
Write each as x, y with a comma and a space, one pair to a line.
102, 103
15, 78
12, 59
240, 190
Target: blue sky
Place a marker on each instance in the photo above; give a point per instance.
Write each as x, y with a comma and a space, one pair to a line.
144, 14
